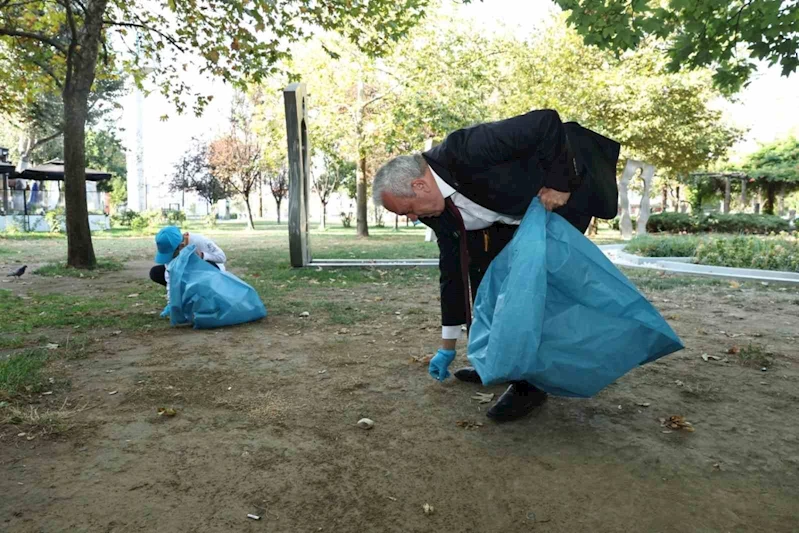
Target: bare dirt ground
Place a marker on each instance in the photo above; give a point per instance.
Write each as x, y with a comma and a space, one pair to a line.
266, 424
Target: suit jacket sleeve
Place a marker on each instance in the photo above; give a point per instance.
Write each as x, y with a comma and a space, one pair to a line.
453, 312
538, 134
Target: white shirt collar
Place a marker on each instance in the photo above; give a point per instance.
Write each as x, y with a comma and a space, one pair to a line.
444, 187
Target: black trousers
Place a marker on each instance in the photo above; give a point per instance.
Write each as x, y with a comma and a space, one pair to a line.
158, 273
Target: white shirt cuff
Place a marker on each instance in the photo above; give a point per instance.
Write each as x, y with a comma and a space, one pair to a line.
451, 332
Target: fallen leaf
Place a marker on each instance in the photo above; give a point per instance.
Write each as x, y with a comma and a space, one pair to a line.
735, 285
734, 350
468, 424
52, 346
166, 411
677, 422
644, 404
113, 392
117, 332
134, 295
305, 314
483, 397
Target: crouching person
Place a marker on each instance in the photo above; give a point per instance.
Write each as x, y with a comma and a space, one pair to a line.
169, 242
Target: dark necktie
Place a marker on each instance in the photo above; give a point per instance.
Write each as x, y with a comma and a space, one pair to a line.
464, 259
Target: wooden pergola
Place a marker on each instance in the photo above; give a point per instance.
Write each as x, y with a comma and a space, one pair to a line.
727, 177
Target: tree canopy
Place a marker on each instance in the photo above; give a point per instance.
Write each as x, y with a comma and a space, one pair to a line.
726, 35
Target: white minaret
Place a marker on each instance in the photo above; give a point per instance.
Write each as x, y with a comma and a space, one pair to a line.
137, 181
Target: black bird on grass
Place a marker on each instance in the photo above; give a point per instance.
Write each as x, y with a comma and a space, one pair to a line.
18, 272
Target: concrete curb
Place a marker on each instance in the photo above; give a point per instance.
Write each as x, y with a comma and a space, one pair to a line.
682, 265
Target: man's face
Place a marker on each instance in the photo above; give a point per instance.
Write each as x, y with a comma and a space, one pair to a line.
428, 202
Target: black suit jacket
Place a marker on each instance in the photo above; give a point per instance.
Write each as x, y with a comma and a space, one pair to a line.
502, 166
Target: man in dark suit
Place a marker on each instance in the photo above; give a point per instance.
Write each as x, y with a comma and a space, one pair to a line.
474, 189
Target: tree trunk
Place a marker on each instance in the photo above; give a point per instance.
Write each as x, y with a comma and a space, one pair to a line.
250, 223
664, 199
396, 222
83, 56
771, 196
363, 223
277, 201
677, 202
261, 199
324, 216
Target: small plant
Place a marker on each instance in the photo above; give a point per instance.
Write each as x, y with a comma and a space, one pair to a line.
346, 219
174, 217
752, 356
56, 219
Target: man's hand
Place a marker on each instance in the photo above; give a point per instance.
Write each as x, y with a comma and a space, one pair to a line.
440, 363
552, 199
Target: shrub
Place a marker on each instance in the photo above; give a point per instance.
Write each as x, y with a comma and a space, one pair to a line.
750, 252
615, 223
346, 219
678, 246
56, 219
719, 223
124, 219
671, 223
174, 218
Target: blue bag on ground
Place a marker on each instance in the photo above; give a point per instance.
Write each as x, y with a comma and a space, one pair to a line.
554, 311
203, 295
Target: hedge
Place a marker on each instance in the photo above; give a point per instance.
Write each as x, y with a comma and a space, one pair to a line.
718, 223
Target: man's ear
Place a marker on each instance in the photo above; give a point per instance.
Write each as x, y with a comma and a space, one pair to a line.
420, 184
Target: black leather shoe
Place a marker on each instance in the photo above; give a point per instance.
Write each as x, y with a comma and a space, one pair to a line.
468, 374
519, 400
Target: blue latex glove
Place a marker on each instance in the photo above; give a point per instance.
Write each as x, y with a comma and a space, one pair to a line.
165, 313
440, 362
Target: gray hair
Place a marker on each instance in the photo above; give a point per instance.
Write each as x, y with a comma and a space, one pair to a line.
395, 177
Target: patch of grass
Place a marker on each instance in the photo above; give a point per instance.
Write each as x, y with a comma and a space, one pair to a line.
652, 280
754, 356
21, 372
36, 421
11, 341
61, 269
61, 311
655, 246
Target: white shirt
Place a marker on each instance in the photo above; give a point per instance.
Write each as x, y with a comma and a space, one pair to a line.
474, 217
211, 252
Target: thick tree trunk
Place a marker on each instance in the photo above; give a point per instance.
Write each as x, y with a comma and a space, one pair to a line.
324, 216
82, 56
80, 252
771, 196
363, 223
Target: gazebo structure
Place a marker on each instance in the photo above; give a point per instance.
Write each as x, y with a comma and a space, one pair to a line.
24, 204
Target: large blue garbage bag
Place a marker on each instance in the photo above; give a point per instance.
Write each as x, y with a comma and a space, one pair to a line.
554, 311
203, 295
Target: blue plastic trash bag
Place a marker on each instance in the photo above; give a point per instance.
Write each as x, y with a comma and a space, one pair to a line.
554, 311
203, 295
